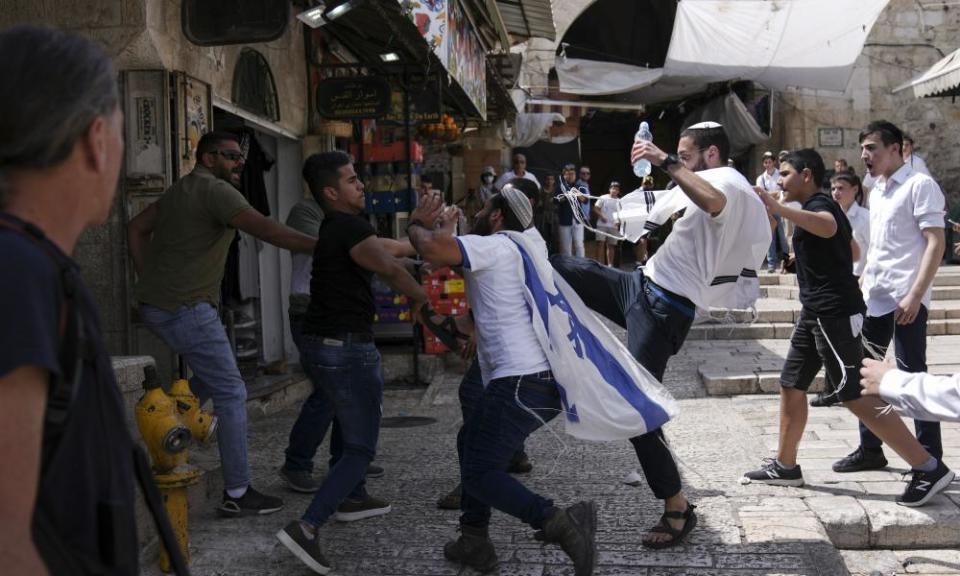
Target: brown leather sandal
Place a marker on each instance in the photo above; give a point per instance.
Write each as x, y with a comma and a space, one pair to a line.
664, 527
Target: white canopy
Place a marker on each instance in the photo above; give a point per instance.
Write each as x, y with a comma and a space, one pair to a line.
944, 76
776, 43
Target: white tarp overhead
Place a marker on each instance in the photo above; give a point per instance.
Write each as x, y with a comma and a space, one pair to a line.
776, 43
595, 78
943, 78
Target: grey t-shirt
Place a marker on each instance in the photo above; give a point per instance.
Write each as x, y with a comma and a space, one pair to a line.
304, 217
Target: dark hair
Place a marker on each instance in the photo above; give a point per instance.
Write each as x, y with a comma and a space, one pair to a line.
211, 141
807, 158
707, 137
322, 170
568, 166
510, 220
889, 133
55, 84
853, 180
425, 179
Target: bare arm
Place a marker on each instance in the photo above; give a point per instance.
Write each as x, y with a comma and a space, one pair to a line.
908, 308
23, 396
398, 248
139, 231
701, 192
855, 249
437, 247
370, 255
259, 226
821, 224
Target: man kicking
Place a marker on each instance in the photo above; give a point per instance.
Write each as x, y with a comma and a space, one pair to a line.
828, 334
520, 394
723, 233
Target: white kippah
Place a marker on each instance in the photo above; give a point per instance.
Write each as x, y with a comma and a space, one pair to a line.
704, 126
519, 203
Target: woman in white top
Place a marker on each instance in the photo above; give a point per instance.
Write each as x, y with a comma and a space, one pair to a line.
605, 208
845, 187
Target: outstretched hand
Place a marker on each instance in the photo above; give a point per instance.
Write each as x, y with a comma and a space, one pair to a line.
429, 209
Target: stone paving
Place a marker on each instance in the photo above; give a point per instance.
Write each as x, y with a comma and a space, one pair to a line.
835, 525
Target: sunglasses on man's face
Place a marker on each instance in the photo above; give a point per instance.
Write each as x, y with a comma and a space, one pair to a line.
232, 155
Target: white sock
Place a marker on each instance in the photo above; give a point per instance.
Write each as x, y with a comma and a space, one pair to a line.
237, 492
929, 466
784, 466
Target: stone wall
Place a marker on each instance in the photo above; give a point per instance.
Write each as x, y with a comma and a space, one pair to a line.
146, 34
905, 41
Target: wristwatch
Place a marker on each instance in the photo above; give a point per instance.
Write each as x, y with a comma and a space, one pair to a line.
669, 161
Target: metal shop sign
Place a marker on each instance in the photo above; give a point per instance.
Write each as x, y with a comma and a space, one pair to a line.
353, 98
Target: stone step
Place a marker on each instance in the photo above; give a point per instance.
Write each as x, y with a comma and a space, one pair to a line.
793, 292
787, 310
946, 276
783, 330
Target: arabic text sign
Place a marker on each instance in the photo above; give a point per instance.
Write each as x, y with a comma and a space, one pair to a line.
351, 98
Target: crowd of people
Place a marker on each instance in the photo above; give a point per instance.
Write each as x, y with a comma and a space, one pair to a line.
864, 277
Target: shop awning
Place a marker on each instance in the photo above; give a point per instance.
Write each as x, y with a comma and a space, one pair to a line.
942, 79
526, 19
776, 43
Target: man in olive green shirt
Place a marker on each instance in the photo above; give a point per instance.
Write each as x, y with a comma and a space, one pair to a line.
179, 245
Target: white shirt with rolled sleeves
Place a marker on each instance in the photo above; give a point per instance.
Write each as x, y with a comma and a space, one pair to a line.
506, 342
859, 218
922, 396
901, 207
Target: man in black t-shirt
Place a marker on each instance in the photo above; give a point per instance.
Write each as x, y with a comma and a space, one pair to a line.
827, 335
338, 345
66, 491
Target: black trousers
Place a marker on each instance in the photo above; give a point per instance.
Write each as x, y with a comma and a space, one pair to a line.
657, 323
910, 342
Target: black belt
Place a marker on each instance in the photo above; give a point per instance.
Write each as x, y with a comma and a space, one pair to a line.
343, 338
546, 388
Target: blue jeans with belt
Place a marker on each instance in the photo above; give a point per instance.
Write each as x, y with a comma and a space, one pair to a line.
315, 417
657, 323
496, 427
195, 333
349, 374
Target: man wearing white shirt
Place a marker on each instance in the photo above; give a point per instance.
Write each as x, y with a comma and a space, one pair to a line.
913, 394
519, 171
769, 182
906, 246
915, 161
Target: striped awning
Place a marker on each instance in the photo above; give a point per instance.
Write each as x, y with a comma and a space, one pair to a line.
941, 79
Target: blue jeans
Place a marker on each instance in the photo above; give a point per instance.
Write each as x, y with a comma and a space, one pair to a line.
910, 343
657, 323
470, 393
350, 376
494, 430
315, 417
195, 333
778, 246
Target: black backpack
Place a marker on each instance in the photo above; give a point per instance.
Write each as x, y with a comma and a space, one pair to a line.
74, 351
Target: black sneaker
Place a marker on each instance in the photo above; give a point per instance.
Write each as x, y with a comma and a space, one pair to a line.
250, 504
451, 500
520, 464
860, 460
374, 471
473, 548
771, 472
925, 485
351, 510
299, 480
822, 401
304, 546
574, 530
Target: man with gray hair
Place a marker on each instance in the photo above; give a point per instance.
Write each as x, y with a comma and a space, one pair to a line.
63, 440
520, 394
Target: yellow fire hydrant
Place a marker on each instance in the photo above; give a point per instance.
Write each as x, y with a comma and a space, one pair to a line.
166, 423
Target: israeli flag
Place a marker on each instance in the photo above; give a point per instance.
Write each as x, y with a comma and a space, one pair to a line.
606, 394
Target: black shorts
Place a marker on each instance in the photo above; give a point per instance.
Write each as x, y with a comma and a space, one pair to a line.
827, 342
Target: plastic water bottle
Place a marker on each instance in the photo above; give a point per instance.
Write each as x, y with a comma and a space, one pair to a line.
642, 166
